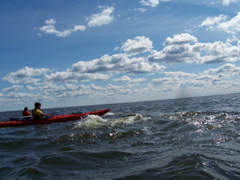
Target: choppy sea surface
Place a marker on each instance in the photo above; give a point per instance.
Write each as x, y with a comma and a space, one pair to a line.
189, 138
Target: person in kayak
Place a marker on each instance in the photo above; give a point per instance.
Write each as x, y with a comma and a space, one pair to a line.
37, 113
26, 112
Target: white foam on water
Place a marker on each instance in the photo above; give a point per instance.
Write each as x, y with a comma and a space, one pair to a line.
91, 121
94, 121
128, 120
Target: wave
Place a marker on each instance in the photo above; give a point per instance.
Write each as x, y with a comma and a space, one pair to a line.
95, 122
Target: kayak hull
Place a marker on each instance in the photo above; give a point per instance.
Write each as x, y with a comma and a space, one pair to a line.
53, 119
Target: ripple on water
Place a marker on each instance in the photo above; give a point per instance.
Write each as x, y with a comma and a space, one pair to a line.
194, 138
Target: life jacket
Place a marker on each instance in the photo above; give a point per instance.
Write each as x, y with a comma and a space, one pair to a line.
37, 113
26, 113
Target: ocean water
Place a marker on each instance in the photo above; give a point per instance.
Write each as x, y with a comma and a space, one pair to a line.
189, 138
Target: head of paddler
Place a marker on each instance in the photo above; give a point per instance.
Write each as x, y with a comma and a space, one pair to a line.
37, 105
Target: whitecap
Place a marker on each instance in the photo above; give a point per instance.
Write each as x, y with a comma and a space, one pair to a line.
91, 121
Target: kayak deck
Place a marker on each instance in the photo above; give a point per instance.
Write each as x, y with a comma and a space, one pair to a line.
52, 119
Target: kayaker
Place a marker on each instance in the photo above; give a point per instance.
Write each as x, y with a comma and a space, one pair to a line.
37, 113
26, 112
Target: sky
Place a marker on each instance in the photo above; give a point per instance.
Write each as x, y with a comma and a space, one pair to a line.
66, 53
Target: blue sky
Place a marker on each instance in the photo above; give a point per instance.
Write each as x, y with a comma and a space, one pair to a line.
72, 53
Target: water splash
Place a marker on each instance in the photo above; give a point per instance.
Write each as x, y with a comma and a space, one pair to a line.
91, 122
128, 119
95, 122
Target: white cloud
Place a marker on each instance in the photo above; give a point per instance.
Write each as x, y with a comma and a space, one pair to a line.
184, 48
50, 28
26, 80
24, 75
209, 80
179, 74
91, 91
221, 23
13, 88
232, 26
227, 2
216, 20
74, 77
139, 44
223, 75
29, 72
109, 65
204, 77
175, 54
78, 28
178, 50
64, 91
217, 52
165, 80
180, 39
175, 78
117, 90
228, 68
117, 63
31, 88
19, 97
140, 9
102, 18
96, 88
152, 3
128, 79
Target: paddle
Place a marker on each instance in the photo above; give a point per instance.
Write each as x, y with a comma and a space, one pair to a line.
49, 115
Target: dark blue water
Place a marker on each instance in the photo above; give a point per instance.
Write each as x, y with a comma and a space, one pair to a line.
190, 138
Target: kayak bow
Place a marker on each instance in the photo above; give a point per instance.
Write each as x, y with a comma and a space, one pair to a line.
52, 119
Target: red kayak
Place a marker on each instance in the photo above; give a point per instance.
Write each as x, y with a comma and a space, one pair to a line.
52, 119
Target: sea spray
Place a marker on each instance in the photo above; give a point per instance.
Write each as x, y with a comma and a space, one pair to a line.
91, 122
94, 122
